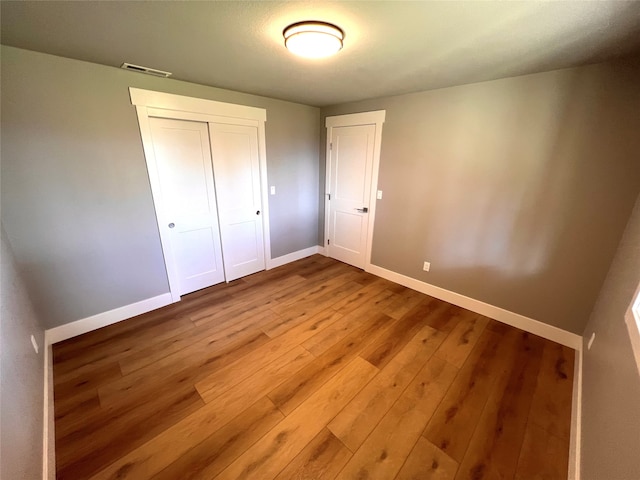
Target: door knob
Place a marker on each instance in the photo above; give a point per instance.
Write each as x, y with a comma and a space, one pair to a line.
362, 210
171, 225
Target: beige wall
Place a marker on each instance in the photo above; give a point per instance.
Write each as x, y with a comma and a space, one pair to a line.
21, 376
77, 204
516, 190
611, 384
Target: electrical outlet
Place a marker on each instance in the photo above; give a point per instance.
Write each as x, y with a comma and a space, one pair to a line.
273, 190
379, 195
426, 267
34, 343
593, 337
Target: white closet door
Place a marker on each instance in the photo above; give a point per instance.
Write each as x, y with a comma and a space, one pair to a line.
183, 160
350, 173
237, 173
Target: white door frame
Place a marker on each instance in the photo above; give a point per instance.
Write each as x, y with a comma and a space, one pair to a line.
165, 105
375, 118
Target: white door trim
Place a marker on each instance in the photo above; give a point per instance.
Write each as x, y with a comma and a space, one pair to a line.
169, 101
165, 105
375, 118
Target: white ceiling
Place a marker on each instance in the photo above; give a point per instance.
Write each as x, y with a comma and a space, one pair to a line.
391, 47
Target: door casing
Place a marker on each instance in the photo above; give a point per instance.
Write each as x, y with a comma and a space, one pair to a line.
375, 118
148, 104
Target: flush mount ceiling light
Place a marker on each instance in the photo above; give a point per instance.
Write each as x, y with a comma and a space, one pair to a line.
313, 39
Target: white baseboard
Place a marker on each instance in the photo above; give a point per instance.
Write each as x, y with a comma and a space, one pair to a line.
69, 330
527, 324
530, 325
292, 257
576, 419
84, 325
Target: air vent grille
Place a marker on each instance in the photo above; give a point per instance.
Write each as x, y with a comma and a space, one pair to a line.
147, 70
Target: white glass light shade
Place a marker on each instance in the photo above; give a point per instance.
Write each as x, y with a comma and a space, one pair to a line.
313, 39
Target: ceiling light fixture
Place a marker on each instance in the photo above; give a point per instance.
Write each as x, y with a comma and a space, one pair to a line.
313, 39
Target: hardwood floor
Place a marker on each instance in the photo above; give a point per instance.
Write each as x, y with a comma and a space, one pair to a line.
313, 370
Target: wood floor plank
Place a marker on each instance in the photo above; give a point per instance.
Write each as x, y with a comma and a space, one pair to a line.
294, 391
116, 336
321, 459
72, 365
449, 319
551, 407
464, 336
317, 291
271, 454
400, 302
215, 453
356, 421
260, 291
366, 278
88, 380
455, 420
180, 368
221, 316
495, 446
311, 370
280, 326
171, 317
498, 327
314, 286
324, 297
87, 450
428, 462
317, 266
246, 303
303, 267
265, 286
360, 297
315, 303
385, 450
71, 412
168, 446
327, 270
327, 338
543, 456
203, 334
381, 351
233, 373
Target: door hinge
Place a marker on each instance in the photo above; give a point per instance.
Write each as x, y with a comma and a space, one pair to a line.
329, 195
330, 145
328, 241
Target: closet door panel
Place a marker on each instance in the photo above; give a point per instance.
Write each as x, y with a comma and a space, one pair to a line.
237, 177
185, 173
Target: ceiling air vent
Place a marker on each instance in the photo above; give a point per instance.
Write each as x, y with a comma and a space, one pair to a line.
147, 70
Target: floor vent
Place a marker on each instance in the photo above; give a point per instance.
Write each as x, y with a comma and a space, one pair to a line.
147, 70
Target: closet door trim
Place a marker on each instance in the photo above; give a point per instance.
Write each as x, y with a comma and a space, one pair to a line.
165, 105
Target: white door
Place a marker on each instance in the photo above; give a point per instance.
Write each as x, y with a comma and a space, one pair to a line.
351, 165
237, 171
183, 162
